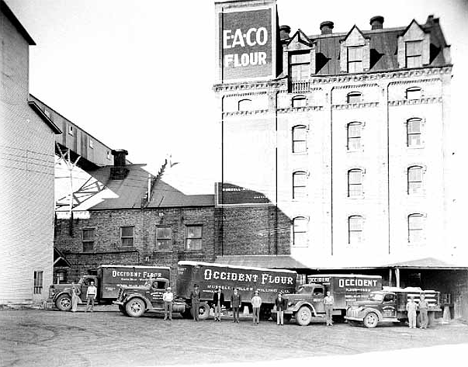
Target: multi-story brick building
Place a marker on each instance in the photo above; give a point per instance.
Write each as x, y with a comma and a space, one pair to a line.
136, 219
343, 133
27, 174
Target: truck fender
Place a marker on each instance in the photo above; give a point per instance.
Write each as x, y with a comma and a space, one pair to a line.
369, 310
57, 295
146, 300
298, 305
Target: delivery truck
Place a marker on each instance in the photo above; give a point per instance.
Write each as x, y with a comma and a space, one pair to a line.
135, 301
346, 289
389, 305
108, 281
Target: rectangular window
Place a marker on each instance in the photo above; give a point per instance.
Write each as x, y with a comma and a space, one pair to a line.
299, 139
413, 54
414, 133
355, 183
415, 228
163, 239
414, 180
299, 185
355, 59
91, 143
88, 239
355, 230
38, 281
70, 130
299, 66
193, 240
354, 136
126, 236
300, 232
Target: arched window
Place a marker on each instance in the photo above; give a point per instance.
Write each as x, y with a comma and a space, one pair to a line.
300, 232
415, 176
355, 226
299, 185
299, 139
413, 132
413, 93
354, 97
354, 130
415, 228
244, 105
355, 183
299, 101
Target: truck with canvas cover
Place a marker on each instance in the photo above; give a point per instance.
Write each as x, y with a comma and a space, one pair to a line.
308, 303
389, 305
108, 280
135, 301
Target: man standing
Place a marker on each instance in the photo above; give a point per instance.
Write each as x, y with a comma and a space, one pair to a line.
256, 304
195, 298
91, 296
281, 305
411, 307
168, 297
218, 300
236, 302
328, 302
423, 306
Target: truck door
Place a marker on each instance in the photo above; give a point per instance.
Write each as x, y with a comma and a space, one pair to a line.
318, 293
389, 306
158, 287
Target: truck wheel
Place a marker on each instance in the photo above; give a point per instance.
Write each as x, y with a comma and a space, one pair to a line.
371, 320
63, 302
204, 311
303, 316
135, 307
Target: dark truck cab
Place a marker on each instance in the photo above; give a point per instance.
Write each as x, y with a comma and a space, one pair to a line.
307, 302
389, 305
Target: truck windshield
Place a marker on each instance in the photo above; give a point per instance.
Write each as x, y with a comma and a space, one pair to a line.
376, 296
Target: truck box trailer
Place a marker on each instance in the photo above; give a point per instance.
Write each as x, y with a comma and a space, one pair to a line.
108, 281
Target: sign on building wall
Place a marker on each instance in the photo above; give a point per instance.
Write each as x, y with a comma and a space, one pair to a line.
246, 43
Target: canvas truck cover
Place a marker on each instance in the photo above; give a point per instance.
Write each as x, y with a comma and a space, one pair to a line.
347, 288
115, 276
208, 276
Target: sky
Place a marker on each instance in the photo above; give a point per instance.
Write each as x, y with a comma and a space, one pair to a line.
139, 75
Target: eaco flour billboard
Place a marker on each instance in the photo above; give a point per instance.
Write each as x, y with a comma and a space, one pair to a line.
246, 43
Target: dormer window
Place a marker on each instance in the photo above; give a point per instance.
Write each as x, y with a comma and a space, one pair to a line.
299, 66
413, 54
355, 59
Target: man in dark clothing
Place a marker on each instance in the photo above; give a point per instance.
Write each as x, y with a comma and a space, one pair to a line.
195, 297
281, 305
218, 300
236, 302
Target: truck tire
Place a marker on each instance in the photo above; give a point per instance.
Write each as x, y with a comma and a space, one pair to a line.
371, 320
303, 316
63, 302
204, 311
135, 307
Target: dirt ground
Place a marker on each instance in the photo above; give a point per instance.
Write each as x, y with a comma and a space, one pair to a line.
54, 338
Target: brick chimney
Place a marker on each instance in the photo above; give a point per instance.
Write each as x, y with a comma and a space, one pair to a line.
119, 171
327, 27
285, 30
377, 22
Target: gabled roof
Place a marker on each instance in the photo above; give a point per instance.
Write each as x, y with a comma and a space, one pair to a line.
133, 189
16, 23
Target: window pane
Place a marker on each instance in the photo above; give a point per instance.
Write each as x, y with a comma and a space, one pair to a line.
299, 147
164, 233
163, 245
88, 246
413, 61
354, 143
299, 102
415, 222
127, 242
300, 179
413, 93
355, 67
300, 239
414, 48
88, 234
355, 237
415, 174
194, 244
354, 130
127, 231
414, 140
355, 223
414, 126
354, 97
299, 133
354, 53
355, 177
194, 231
245, 105
300, 58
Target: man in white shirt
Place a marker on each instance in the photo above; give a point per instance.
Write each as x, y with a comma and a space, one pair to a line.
91, 294
168, 297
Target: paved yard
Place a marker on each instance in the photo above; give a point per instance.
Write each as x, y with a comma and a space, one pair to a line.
54, 338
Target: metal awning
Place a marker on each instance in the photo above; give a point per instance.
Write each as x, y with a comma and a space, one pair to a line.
261, 261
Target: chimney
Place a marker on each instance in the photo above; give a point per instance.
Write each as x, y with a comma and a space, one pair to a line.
377, 22
285, 30
119, 171
326, 27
